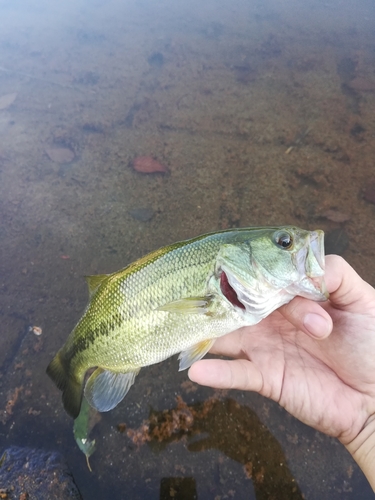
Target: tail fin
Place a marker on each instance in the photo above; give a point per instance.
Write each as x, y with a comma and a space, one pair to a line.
71, 387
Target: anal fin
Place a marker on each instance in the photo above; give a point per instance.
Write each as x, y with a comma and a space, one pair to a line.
105, 389
194, 353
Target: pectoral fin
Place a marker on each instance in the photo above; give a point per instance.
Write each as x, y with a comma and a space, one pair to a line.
194, 353
105, 389
189, 305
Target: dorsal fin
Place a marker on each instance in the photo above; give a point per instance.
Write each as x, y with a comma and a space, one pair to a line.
94, 282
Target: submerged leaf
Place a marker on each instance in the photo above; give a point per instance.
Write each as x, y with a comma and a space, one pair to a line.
148, 165
336, 215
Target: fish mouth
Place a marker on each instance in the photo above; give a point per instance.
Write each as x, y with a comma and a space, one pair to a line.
317, 247
310, 262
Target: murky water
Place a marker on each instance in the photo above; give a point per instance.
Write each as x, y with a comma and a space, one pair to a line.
263, 113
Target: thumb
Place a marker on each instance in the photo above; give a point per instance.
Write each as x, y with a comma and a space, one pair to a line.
347, 289
308, 316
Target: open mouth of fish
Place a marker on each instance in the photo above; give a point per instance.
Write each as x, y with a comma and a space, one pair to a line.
310, 264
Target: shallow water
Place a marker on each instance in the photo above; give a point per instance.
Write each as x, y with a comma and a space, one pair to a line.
263, 113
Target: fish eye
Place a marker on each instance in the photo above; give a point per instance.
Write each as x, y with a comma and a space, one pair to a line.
283, 239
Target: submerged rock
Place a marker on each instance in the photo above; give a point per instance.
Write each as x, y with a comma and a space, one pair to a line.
36, 474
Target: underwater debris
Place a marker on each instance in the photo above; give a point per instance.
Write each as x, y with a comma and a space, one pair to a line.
121, 427
298, 140
139, 436
12, 400
177, 421
4, 493
36, 330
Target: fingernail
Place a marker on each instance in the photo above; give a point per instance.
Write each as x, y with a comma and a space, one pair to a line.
316, 325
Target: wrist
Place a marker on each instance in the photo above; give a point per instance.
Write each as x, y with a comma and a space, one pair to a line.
362, 449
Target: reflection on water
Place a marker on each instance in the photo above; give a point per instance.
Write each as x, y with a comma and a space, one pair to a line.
260, 113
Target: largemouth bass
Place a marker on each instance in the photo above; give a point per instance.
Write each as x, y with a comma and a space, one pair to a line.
179, 299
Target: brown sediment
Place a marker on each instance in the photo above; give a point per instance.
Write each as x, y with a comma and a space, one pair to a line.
231, 428
12, 400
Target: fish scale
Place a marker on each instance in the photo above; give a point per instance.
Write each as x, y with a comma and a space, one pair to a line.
178, 299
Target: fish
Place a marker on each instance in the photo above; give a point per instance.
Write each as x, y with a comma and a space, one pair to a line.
179, 299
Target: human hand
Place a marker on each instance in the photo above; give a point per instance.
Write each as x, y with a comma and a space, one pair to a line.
317, 360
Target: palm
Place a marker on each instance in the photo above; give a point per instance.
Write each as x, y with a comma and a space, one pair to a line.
317, 381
